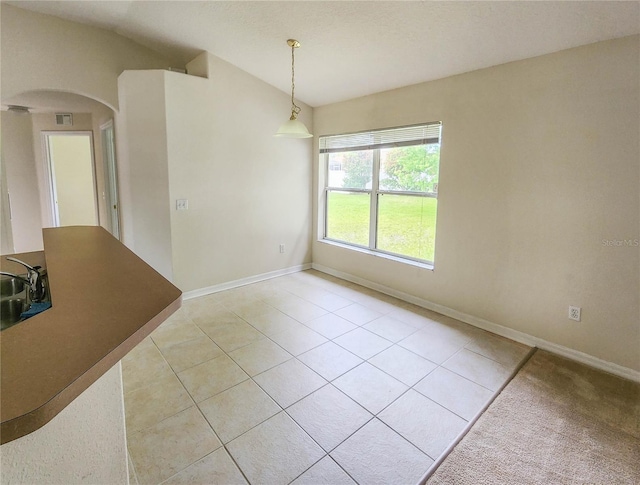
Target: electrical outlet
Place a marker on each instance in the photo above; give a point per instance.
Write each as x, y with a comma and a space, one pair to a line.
574, 313
182, 204
282, 248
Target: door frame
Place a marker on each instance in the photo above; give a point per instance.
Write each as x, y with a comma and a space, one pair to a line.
110, 167
49, 171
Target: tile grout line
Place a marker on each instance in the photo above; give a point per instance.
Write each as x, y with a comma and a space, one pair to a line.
434, 466
405, 439
194, 403
172, 415
224, 304
376, 415
331, 381
182, 410
236, 463
133, 466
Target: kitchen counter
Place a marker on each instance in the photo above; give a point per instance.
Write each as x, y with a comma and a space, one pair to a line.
105, 300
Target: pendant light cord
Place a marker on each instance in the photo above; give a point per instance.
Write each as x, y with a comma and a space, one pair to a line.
295, 109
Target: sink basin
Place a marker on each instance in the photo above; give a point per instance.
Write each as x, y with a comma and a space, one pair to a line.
15, 299
10, 310
10, 286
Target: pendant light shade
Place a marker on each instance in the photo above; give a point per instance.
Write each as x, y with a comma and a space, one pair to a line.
293, 128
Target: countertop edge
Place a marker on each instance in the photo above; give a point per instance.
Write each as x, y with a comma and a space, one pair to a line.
28, 423
34, 419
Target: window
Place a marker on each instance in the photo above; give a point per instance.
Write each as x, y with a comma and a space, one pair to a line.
381, 189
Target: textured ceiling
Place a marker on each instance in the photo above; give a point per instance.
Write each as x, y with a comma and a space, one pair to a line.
351, 49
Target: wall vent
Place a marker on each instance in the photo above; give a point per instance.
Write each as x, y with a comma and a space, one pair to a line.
65, 119
21, 110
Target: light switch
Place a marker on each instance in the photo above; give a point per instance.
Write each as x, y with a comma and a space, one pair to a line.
182, 204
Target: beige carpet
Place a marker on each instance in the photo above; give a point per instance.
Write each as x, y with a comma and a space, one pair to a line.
556, 422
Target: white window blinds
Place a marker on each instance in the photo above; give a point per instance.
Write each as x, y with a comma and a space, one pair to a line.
387, 138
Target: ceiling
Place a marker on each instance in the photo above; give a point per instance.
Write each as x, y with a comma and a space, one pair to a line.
354, 48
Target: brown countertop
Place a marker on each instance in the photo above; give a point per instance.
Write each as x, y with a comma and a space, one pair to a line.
105, 300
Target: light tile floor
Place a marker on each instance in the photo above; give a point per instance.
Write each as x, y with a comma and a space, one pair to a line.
305, 379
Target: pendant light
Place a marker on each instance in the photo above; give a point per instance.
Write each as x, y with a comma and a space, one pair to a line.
293, 128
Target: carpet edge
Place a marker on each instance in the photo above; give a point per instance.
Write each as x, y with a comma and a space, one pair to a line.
434, 466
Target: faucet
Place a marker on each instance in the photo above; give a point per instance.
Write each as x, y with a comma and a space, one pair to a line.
33, 279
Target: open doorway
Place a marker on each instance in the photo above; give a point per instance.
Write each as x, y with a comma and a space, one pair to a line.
72, 178
25, 166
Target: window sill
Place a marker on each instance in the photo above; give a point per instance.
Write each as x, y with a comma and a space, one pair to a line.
377, 254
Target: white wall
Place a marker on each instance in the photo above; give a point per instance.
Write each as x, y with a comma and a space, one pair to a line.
45, 52
84, 443
539, 166
20, 170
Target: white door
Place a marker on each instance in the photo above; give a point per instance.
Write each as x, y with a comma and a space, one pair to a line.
110, 177
72, 178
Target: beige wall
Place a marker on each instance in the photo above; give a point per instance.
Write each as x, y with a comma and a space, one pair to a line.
248, 192
42, 52
85, 443
143, 168
99, 115
539, 168
27, 171
19, 168
45, 52
6, 233
211, 141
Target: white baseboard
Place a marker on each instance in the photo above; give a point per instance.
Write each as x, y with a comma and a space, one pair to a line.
503, 331
244, 281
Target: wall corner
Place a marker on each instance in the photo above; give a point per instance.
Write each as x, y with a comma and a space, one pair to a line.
200, 66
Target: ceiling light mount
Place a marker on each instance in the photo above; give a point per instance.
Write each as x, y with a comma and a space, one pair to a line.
293, 128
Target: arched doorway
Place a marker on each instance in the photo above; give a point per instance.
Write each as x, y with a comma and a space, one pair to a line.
29, 198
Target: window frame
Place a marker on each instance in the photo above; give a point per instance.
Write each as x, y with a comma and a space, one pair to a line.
374, 198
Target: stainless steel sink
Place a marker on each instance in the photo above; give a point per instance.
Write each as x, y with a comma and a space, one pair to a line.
10, 286
10, 310
14, 299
